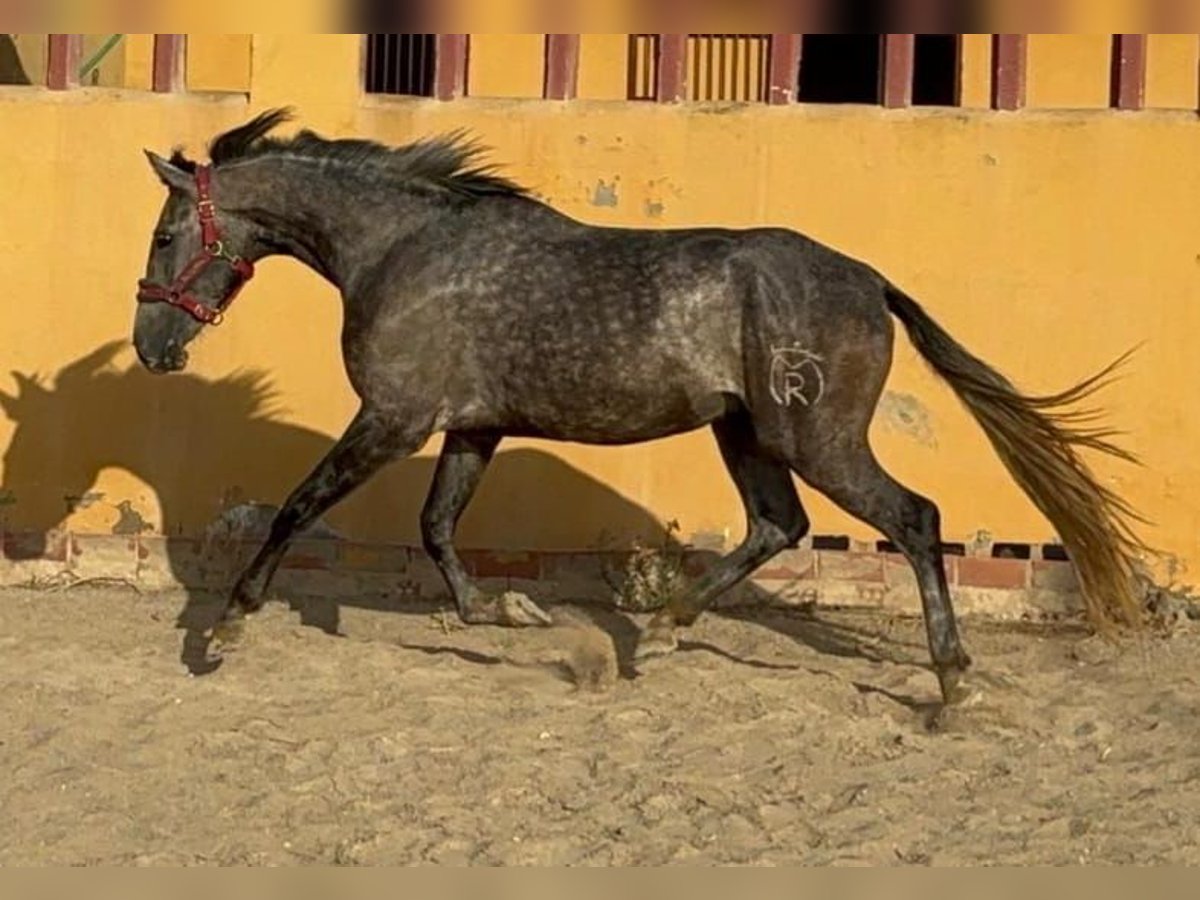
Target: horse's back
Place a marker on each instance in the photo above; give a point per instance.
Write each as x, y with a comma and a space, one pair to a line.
525, 319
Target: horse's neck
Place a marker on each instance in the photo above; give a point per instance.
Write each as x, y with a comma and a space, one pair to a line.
326, 218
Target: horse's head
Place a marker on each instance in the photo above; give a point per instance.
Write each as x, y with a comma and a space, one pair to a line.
76, 430
200, 257
204, 247
61, 439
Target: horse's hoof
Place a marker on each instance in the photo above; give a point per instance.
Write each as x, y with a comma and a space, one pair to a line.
512, 610
657, 640
957, 690
518, 611
227, 634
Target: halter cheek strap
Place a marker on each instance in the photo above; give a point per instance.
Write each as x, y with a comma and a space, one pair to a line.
178, 293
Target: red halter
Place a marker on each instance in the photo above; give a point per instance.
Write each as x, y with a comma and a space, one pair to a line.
177, 293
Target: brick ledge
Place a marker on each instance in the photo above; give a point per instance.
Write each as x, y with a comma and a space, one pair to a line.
860, 576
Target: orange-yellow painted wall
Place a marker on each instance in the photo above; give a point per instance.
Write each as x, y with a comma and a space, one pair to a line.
1172, 61
603, 66
507, 65
1070, 71
1048, 242
976, 71
219, 62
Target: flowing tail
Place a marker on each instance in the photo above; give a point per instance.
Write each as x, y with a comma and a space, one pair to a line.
1038, 439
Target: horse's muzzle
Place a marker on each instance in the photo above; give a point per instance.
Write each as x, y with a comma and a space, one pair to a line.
173, 359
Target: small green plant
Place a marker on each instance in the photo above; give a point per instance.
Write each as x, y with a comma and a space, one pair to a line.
650, 575
91, 66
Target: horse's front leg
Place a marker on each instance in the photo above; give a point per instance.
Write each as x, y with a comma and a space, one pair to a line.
460, 468
371, 441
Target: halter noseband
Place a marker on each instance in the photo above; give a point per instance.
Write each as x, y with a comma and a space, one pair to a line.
177, 293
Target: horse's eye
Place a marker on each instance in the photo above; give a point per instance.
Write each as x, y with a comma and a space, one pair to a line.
162, 239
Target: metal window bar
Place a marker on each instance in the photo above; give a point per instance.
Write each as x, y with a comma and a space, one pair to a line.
729, 67
718, 67
401, 64
643, 66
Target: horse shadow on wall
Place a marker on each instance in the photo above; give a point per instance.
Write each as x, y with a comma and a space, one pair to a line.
209, 449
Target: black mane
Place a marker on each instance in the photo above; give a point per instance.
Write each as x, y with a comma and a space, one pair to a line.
447, 161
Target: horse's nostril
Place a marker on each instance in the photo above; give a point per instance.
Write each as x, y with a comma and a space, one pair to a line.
175, 358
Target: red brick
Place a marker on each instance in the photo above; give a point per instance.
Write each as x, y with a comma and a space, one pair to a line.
311, 555
116, 545
697, 563
899, 573
975, 571
834, 566
576, 576
499, 564
790, 565
49, 546
421, 579
785, 592
556, 565
1055, 576
384, 558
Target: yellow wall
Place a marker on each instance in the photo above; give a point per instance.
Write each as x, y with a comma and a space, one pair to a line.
603, 61
1070, 71
218, 62
1047, 242
1172, 63
139, 61
976, 71
507, 65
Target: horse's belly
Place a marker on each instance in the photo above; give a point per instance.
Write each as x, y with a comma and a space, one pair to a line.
611, 415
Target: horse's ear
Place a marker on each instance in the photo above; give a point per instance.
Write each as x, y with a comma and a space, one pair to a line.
90, 366
168, 173
26, 387
8, 405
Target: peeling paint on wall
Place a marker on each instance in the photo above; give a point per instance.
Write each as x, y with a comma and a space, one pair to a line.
908, 415
606, 194
76, 502
130, 521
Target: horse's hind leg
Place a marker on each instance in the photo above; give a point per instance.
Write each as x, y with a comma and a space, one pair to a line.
460, 468
775, 520
847, 472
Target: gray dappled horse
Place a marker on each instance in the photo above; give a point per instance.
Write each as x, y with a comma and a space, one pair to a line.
475, 310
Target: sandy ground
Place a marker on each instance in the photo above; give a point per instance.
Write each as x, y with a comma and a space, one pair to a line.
776, 739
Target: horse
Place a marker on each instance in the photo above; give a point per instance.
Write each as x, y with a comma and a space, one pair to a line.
474, 310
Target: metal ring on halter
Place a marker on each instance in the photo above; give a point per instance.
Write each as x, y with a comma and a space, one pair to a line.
177, 293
